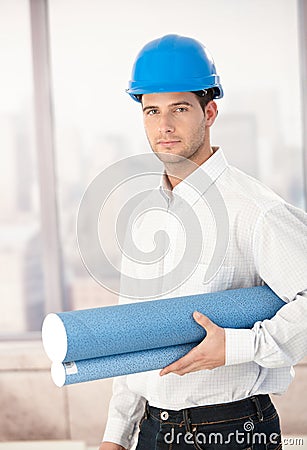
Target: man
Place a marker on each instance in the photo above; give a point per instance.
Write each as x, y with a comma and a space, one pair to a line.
222, 400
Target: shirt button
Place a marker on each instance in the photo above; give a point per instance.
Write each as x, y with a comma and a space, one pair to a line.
164, 415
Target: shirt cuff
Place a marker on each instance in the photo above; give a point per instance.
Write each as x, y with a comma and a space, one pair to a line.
240, 346
119, 432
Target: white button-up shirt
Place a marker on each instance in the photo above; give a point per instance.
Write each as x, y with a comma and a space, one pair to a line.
267, 243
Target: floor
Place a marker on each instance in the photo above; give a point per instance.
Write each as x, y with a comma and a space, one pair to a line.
289, 443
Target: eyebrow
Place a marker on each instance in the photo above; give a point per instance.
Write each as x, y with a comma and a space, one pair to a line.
171, 105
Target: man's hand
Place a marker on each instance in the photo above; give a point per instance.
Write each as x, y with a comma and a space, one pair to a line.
208, 354
110, 446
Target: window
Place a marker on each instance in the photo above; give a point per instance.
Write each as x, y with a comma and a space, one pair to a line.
21, 273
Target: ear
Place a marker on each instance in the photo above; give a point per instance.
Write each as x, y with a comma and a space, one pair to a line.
211, 113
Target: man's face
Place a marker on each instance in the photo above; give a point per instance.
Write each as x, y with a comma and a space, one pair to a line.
175, 125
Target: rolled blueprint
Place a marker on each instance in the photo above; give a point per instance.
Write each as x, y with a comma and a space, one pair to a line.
113, 330
116, 365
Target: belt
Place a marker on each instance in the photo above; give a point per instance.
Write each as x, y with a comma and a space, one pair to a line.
220, 412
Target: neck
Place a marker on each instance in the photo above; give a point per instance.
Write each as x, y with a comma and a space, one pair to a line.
176, 172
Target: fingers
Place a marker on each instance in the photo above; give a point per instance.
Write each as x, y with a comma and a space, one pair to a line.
203, 321
184, 369
205, 356
180, 364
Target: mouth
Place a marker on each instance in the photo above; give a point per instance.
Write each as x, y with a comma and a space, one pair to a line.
168, 143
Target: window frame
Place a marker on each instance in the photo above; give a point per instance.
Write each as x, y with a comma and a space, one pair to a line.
45, 146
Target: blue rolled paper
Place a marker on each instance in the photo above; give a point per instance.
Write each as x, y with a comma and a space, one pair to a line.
116, 365
114, 330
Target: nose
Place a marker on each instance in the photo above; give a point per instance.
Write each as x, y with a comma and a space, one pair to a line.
166, 125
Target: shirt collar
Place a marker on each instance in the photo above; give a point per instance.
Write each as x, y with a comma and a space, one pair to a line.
193, 186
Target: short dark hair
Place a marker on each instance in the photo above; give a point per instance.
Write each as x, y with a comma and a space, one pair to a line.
204, 97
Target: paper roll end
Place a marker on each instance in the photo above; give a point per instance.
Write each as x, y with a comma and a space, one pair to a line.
58, 374
54, 338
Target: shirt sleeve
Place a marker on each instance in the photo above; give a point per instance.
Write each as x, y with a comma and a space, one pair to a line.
280, 253
126, 407
125, 411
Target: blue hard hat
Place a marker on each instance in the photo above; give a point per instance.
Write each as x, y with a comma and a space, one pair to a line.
173, 63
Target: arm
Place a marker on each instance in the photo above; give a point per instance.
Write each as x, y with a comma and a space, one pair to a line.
281, 341
280, 251
126, 407
125, 410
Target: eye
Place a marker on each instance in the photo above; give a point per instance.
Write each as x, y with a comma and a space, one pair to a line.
181, 109
152, 112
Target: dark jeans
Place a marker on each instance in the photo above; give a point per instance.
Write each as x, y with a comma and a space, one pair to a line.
251, 423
